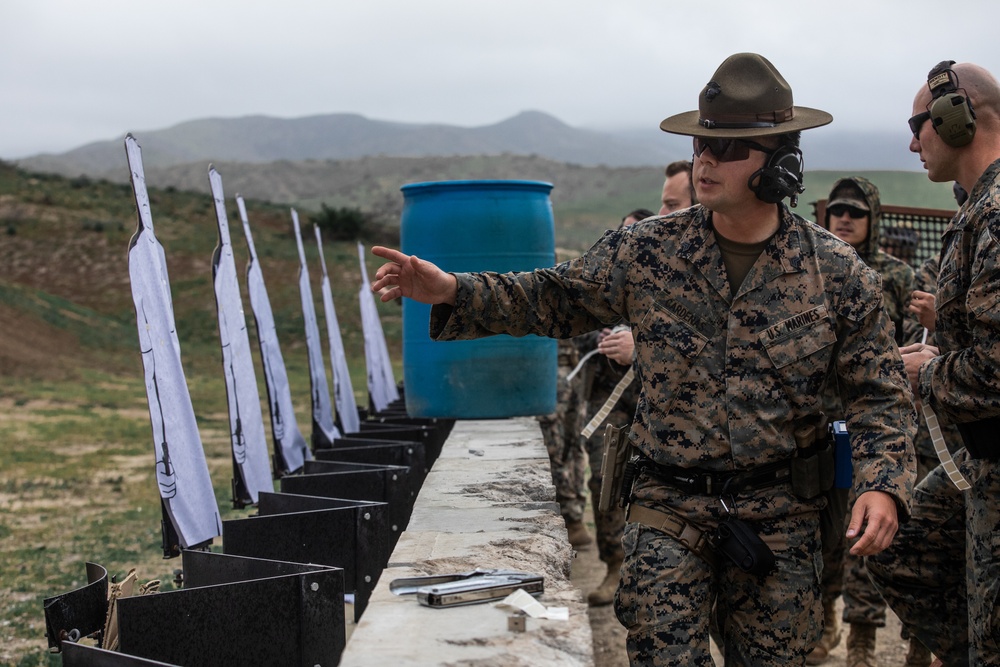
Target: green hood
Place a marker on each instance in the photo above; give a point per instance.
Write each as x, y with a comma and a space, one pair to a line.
868, 189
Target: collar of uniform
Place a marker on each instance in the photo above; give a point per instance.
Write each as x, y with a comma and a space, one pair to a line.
788, 242
695, 238
985, 183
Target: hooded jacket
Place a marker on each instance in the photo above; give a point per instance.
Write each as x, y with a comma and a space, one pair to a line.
898, 278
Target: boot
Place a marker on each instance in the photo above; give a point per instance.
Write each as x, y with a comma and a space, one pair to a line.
578, 535
861, 645
918, 655
830, 638
604, 594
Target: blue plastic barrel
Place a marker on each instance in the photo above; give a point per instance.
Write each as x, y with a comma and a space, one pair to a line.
492, 225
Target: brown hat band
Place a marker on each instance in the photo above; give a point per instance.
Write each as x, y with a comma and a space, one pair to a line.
769, 119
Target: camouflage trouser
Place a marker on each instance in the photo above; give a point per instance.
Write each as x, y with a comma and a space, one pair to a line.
941, 575
862, 603
609, 524
668, 595
561, 433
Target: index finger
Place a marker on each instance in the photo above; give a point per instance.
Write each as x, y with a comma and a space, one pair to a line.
389, 254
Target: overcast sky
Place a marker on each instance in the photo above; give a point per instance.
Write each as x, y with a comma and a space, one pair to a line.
77, 71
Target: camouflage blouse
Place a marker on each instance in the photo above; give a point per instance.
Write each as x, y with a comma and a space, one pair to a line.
725, 380
963, 384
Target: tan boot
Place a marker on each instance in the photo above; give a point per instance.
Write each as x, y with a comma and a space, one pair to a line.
918, 655
861, 645
605, 593
830, 638
578, 535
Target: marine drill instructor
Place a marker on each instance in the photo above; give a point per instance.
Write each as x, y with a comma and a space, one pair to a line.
740, 311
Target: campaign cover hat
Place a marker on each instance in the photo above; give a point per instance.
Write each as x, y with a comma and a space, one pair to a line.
747, 97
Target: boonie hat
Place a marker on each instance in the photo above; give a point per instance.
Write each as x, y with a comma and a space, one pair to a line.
747, 97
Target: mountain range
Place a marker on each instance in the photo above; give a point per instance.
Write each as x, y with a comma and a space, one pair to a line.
346, 136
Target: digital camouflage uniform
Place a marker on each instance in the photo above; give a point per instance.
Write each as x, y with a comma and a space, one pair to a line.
605, 377
561, 434
724, 383
843, 572
927, 458
942, 574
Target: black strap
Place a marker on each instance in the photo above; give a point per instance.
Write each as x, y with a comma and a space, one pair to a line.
982, 438
698, 481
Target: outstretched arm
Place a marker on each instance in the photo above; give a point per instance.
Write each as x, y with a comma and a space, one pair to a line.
406, 275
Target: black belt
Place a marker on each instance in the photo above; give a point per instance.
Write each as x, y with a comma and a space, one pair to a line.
698, 481
982, 438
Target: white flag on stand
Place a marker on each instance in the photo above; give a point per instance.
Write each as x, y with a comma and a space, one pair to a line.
322, 410
289, 444
343, 391
246, 423
381, 382
181, 471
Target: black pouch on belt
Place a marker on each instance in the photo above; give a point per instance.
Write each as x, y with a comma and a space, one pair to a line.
740, 544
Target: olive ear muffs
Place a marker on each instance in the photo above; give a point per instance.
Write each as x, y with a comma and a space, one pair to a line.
952, 115
781, 177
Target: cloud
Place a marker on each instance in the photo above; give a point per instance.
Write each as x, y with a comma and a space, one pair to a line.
77, 72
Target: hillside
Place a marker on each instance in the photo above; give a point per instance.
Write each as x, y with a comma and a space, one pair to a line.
586, 199
343, 136
348, 136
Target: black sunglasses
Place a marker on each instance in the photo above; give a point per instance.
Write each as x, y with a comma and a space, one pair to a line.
839, 210
917, 123
728, 150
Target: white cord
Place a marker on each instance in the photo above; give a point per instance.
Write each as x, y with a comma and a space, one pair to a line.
940, 448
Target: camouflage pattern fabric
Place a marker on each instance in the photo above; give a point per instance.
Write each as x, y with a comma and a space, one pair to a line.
561, 434
963, 384
842, 572
926, 281
942, 573
724, 382
862, 603
667, 594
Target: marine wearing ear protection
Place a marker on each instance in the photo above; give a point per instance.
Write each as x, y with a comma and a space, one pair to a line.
952, 116
781, 177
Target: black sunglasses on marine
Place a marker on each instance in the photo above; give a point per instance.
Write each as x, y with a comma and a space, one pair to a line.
839, 210
916, 123
728, 149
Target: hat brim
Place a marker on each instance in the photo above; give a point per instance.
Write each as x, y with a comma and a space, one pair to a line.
848, 201
687, 123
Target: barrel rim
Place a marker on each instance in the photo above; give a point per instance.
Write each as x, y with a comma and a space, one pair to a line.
494, 184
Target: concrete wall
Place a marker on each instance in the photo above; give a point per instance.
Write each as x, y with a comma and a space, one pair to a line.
488, 502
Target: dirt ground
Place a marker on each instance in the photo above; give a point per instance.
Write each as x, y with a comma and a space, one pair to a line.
609, 635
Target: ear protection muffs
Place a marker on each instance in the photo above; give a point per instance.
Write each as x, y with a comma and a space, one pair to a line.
781, 177
952, 115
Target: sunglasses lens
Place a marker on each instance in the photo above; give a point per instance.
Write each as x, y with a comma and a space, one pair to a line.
840, 210
917, 122
724, 150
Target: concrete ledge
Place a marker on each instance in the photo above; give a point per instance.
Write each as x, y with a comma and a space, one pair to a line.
487, 502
